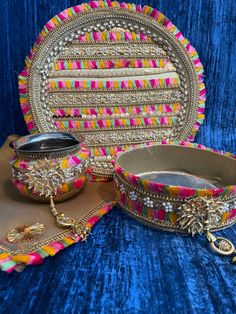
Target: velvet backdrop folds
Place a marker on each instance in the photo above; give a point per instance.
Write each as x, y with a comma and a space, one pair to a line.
126, 267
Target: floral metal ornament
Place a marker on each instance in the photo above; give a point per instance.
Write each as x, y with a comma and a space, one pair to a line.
197, 214
45, 177
25, 233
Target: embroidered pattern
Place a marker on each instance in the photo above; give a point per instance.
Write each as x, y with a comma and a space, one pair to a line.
113, 99
112, 37
112, 85
118, 112
110, 64
115, 123
133, 51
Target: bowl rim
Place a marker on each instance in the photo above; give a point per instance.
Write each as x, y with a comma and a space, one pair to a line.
32, 138
174, 190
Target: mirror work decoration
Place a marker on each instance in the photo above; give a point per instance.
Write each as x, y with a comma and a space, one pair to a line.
119, 74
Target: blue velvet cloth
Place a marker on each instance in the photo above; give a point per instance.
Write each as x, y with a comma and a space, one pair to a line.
126, 267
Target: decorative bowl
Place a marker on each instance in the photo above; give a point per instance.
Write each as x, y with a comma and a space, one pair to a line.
49, 164
178, 187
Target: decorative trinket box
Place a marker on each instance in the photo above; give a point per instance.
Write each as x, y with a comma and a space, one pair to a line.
117, 73
186, 188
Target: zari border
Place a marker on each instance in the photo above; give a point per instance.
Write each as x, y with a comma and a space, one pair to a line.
10, 261
75, 11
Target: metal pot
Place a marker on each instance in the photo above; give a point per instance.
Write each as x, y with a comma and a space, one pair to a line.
49, 165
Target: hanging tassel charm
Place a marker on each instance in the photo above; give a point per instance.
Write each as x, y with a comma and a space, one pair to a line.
78, 228
61, 220
81, 230
220, 245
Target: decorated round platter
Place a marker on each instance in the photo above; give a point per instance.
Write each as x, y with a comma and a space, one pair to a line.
119, 74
